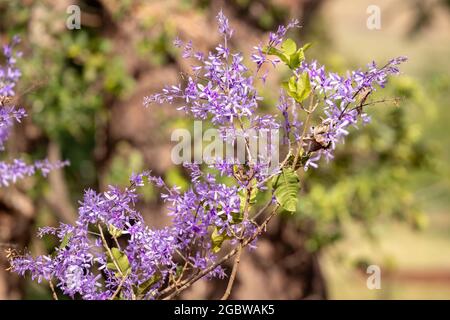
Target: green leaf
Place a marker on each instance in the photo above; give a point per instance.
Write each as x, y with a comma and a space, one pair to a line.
298, 88
289, 47
275, 52
147, 284
272, 51
218, 239
295, 59
303, 87
292, 85
287, 186
289, 53
121, 259
65, 240
306, 46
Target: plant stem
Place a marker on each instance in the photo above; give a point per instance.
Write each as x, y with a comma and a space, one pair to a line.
233, 274
105, 244
118, 288
55, 297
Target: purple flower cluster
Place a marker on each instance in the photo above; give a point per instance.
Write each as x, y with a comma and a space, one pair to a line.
19, 169
221, 86
9, 76
343, 99
291, 124
9, 73
80, 263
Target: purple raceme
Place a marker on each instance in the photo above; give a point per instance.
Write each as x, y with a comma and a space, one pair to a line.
343, 99
9, 75
19, 169
110, 253
11, 172
221, 87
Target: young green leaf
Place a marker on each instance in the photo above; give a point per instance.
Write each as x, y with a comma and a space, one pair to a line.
303, 87
295, 59
298, 88
217, 239
280, 54
292, 85
65, 240
120, 259
289, 47
306, 46
147, 284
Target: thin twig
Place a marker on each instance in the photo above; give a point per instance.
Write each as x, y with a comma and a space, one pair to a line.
118, 288
233, 274
105, 244
262, 210
239, 252
184, 258
305, 130
55, 297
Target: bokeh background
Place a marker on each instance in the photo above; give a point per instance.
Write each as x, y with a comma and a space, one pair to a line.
384, 201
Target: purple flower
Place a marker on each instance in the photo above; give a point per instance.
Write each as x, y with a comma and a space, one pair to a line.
224, 27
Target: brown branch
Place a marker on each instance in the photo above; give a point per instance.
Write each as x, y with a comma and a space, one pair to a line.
55, 297
118, 288
233, 274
